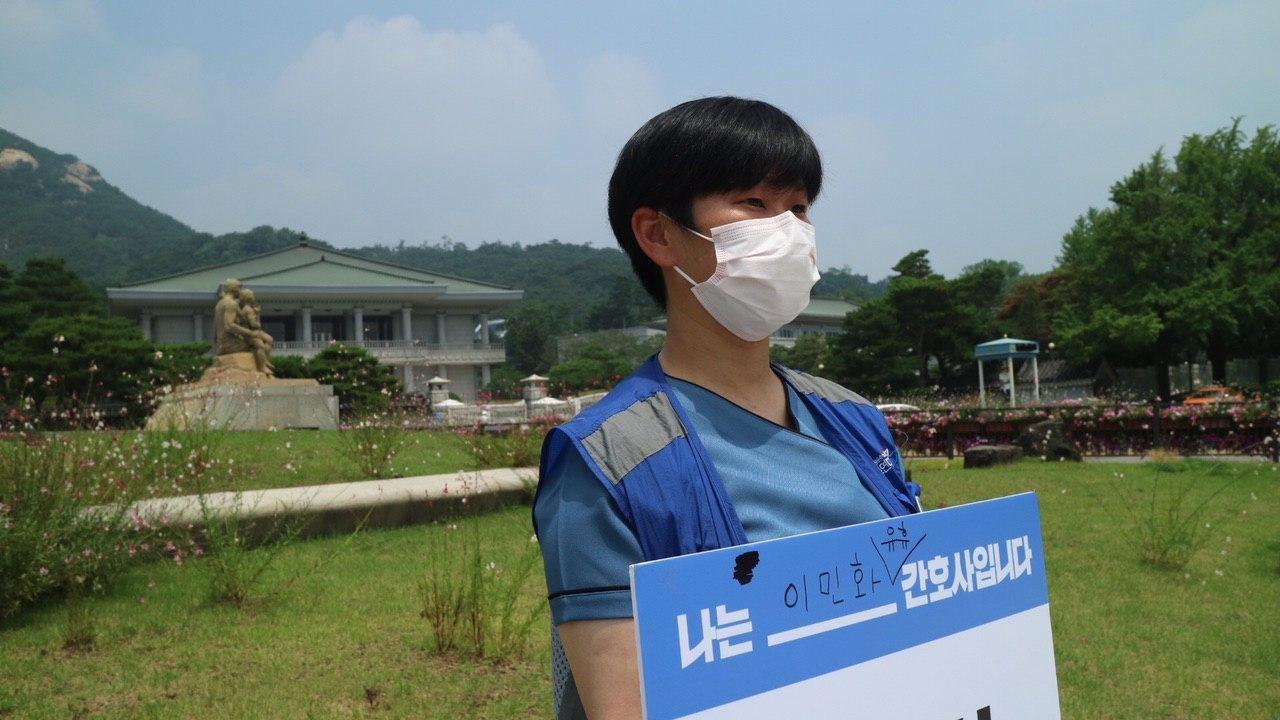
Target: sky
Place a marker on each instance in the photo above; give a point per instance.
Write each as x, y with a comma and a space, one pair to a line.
974, 130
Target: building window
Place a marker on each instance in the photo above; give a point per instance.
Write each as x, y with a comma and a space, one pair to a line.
328, 327
282, 328
377, 327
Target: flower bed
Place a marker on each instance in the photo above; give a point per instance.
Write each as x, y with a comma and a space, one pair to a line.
1129, 429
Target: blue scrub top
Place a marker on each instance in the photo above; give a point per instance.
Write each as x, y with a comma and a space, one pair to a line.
781, 482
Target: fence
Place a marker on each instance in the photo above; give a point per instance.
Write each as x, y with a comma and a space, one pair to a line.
1105, 430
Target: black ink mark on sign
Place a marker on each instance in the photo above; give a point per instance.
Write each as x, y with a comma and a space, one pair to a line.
746, 563
894, 573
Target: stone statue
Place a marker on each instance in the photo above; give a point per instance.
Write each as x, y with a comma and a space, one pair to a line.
250, 317
229, 336
239, 389
239, 342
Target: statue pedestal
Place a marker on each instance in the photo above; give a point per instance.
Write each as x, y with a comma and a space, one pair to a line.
232, 395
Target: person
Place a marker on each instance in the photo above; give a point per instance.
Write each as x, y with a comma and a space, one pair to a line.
250, 317
708, 444
229, 336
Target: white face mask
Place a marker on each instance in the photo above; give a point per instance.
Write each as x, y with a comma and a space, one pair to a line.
764, 271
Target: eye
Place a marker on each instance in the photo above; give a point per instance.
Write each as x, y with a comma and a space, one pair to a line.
754, 202
800, 209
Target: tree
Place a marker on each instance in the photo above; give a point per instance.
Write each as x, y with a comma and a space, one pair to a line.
1029, 308
363, 385
1186, 259
49, 289
14, 315
530, 338
810, 353
626, 305
870, 354
1010, 272
1130, 294
922, 310
595, 367
79, 362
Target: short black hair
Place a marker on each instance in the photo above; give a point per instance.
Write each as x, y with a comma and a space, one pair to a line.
700, 147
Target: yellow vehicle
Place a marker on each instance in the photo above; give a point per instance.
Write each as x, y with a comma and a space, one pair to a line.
1210, 394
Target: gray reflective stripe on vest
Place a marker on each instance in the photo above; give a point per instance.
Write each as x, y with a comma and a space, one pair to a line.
832, 392
628, 438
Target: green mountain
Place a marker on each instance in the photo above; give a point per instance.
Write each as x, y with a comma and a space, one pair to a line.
55, 205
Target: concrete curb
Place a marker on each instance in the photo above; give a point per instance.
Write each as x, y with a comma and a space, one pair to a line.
341, 507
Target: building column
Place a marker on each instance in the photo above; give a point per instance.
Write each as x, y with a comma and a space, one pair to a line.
197, 327
484, 374
440, 330
144, 321
1013, 387
407, 377
357, 333
982, 387
484, 336
406, 324
306, 324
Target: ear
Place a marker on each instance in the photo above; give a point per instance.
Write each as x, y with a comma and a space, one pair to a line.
651, 231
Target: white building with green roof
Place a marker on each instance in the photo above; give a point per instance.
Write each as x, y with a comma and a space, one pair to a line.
423, 323
822, 316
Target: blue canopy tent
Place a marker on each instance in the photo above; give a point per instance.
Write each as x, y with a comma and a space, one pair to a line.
1007, 349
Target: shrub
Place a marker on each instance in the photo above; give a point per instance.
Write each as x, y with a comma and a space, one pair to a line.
1171, 526
47, 544
373, 442
60, 368
504, 383
362, 384
594, 367
519, 447
180, 363
471, 598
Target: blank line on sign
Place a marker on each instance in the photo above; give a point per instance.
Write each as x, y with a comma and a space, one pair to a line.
835, 623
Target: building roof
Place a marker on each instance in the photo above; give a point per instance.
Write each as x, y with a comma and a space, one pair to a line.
827, 309
1006, 347
304, 270
286, 266
818, 309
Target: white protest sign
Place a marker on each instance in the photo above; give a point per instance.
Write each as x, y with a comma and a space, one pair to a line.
942, 614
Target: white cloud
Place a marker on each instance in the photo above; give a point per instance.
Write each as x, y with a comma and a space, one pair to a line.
167, 85
267, 193
394, 91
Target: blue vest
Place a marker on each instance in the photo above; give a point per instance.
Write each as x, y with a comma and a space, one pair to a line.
640, 445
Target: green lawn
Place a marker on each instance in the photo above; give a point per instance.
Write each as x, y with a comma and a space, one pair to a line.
347, 641
290, 458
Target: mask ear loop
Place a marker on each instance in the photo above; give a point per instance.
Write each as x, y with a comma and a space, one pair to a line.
682, 226
684, 275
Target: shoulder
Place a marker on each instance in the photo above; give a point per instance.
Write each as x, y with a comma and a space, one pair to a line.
630, 423
828, 390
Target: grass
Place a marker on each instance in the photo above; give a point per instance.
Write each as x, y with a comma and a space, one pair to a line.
345, 642
1132, 640
291, 458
